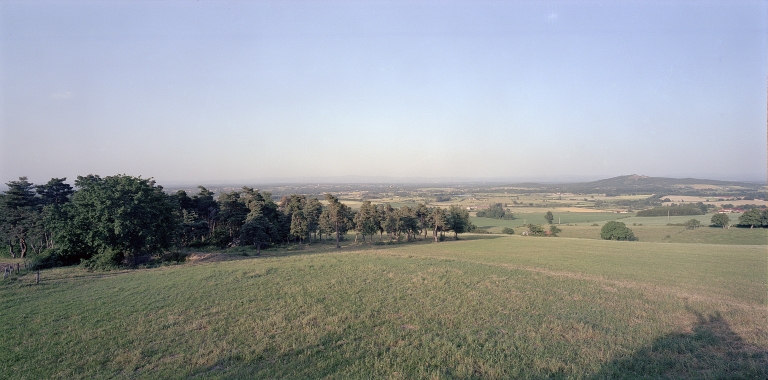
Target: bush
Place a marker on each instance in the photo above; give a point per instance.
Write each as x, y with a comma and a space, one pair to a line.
107, 260
595, 225
692, 224
554, 230
535, 229
614, 230
508, 231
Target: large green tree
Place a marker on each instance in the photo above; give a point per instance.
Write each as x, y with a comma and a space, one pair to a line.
720, 220
754, 218
20, 218
549, 217
339, 215
613, 230
367, 220
437, 222
457, 220
116, 218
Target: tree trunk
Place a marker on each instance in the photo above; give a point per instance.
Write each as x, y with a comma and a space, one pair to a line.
10, 245
23, 246
258, 249
435, 234
337, 236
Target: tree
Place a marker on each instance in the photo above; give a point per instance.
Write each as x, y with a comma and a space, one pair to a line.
312, 210
20, 219
299, 226
55, 192
407, 222
117, 217
692, 224
325, 225
206, 208
257, 231
495, 211
549, 217
262, 222
720, 220
535, 229
754, 217
457, 220
422, 214
613, 230
232, 214
339, 215
366, 220
554, 230
437, 221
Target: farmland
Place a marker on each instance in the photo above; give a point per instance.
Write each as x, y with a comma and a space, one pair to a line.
487, 306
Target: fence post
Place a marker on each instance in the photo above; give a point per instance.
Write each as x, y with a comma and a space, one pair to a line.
18, 268
5, 273
37, 277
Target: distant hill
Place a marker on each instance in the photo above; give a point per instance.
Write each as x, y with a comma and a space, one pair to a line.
634, 180
640, 184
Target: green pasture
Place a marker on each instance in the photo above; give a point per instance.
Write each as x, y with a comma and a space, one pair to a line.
677, 234
589, 218
486, 306
538, 218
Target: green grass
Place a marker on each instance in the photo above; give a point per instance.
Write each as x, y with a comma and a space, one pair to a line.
678, 234
482, 307
538, 218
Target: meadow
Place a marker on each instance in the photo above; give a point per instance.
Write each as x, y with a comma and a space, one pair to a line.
486, 306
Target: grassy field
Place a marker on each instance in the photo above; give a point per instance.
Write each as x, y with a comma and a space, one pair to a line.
647, 229
482, 307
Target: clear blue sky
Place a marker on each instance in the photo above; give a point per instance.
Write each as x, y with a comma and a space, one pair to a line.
201, 91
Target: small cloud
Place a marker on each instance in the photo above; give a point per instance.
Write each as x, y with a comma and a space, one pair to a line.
552, 16
61, 95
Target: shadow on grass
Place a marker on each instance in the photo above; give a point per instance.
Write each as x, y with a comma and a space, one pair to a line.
712, 350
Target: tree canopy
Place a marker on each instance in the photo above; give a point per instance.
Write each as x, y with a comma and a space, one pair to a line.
720, 220
613, 230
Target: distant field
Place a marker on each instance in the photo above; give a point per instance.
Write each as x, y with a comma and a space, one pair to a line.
676, 234
538, 218
488, 306
590, 218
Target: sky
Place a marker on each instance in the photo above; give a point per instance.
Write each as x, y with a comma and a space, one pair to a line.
275, 91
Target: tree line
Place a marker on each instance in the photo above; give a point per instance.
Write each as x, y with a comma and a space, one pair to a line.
118, 219
675, 210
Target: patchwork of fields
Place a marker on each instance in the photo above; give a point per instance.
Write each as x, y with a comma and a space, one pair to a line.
487, 306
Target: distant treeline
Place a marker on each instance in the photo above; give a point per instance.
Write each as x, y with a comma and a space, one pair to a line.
676, 210
116, 220
496, 211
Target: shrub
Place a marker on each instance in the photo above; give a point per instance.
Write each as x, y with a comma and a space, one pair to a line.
508, 231
535, 229
595, 225
554, 230
614, 230
692, 224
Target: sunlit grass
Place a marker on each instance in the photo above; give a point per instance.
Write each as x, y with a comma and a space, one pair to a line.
500, 307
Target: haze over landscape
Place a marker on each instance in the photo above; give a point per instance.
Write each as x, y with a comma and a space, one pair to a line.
205, 92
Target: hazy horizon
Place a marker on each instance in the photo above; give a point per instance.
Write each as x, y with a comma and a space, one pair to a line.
298, 92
